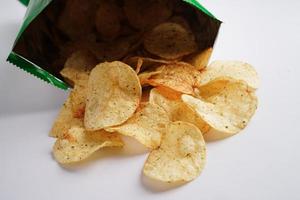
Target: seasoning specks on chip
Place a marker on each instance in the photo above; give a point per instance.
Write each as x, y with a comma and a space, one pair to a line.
226, 107
180, 157
170, 41
147, 125
78, 144
141, 69
113, 95
232, 69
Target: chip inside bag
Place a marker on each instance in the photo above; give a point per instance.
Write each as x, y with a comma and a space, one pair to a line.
138, 69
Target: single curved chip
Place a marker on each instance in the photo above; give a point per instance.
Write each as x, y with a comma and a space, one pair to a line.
227, 109
108, 20
170, 41
200, 59
147, 125
64, 121
78, 66
113, 95
181, 156
179, 76
146, 14
180, 20
77, 19
177, 110
232, 69
78, 144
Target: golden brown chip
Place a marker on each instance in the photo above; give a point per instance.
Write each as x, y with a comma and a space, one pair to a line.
176, 109
232, 69
108, 20
226, 107
113, 95
170, 41
78, 144
78, 99
146, 14
180, 77
145, 76
181, 156
180, 20
78, 66
169, 93
65, 120
200, 59
147, 125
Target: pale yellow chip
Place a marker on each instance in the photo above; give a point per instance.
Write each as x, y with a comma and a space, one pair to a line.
113, 95
108, 20
146, 14
226, 107
78, 144
200, 59
181, 156
179, 76
147, 125
232, 69
177, 110
65, 120
78, 66
170, 41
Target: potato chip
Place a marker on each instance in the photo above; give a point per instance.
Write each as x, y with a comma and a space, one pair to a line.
200, 59
78, 144
108, 20
169, 93
179, 76
177, 110
78, 66
227, 109
170, 41
113, 95
145, 76
114, 50
232, 69
146, 14
180, 20
65, 120
78, 99
76, 19
181, 156
147, 125
139, 66
145, 62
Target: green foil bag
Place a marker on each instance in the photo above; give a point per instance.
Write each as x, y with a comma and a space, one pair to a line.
36, 48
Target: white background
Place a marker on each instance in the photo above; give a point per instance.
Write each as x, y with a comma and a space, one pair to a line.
262, 162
